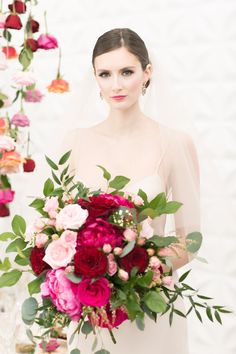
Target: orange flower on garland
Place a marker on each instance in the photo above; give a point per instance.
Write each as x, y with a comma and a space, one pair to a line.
3, 126
10, 52
10, 162
58, 85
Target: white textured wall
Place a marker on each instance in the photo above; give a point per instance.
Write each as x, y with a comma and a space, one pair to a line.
198, 39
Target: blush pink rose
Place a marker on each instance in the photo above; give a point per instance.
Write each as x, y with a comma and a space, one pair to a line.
147, 231
6, 196
20, 120
62, 292
72, 216
40, 240
123, 275
69, 237
6, 143
154, 262
24, 78
59, 253
112, 265
46, 41
95, 293
51, 206
167, 280
129, 234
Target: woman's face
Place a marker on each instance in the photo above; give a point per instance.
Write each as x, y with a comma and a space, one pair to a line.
119, 73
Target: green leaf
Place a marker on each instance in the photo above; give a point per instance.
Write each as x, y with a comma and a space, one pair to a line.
25, 57
56, 179
48, 187
217, 316
5, 236
158, 202
7, 35
183, 276
133, 309
68, 180
198, 315
37, 203
10, 278
171, 207
73, 278
87, 327
23, 258
52, 164
194, 241
64, 172
34, 285
106, 174
64, 158
147, 212
140, 323
145, 280
203, 297
5, 265
30, 335
143, 195
163, 241
154, 301
17, 244
179, 313
128, 248
209, 314
18, 225
75, 351
201, 259
119, 182
29, 310
102, 351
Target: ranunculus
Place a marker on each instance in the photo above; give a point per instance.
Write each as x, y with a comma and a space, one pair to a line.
10, 52
112, 265
29, 165
7, 143
72, 216
94, 293
13, 22
33, 96
36, 259
24, 78
62, 292
59, 254
40, 240
98, 233
10, 162
147, 231
58, 86
114, 318
3, 61
46, 41
18, 6
51, 345
51, 206
104, 204
90, 262
4, 210
138, 257
3, 126
33, 25
6, 196
32, 44
69, 237
20, 120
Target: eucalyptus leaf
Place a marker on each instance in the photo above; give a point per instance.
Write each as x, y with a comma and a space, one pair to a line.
73, 278
87, 328
29, 310
162, 241
102, 351
128, 248
194, 241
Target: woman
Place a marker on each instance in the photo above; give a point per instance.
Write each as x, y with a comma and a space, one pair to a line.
156, 158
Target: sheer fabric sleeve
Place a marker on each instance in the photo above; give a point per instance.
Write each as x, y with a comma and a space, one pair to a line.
184, 184
70, 142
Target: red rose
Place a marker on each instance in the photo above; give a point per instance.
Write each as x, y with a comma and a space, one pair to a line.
18, 6
32, 44
33, 25
36, 260
29, 165
90, 262
138, 257
13, 21
98, 233
104, 204
4, 210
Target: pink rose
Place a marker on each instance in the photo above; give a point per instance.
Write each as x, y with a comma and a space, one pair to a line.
20, 120
147, 231
72, 216
117, 251
33, 96
96, 293
112, 265
123, 275
24, 78
6, 143
154, 262
129, 234
6, 196
59, 253
39, 224
167, 280
46, 41
135, 198
69, 237
107, 248
51, 206
156, 275
63, 293
41, 239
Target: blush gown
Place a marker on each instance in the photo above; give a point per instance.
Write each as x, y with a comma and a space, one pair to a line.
159, 337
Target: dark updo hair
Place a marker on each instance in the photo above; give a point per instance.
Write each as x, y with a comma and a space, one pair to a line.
122, 37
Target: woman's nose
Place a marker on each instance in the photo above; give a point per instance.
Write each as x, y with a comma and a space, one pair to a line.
116, 83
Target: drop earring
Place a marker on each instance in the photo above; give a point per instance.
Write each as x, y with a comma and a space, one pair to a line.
144, 88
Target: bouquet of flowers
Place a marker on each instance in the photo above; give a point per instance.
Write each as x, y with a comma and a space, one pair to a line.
96, 259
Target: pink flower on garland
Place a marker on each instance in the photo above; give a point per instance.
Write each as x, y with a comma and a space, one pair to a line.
20, 120
51, 345
6, 196
46, 41
33, 96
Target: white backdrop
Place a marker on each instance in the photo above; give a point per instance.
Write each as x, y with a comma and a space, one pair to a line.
198, 40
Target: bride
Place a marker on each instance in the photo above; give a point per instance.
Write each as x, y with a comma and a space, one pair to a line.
157, 158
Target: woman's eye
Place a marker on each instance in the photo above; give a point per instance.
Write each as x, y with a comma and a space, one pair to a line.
126, 72
103, 74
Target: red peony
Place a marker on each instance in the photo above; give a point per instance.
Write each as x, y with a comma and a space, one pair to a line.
32, 44
13, 21
18, 6
36, 260
98, 233
33, 25
90, 262
104, 204
4, 210
138, 257
29, 165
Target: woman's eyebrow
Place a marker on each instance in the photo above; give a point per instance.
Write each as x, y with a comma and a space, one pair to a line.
125, 68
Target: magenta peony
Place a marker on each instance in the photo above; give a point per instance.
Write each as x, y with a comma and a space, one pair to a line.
94, 293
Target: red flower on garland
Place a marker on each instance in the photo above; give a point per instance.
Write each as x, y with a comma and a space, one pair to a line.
33, 25
18, 6
138, 257
10, 52
4, 210
13, 22
28, 165
36, 260
32, 44
90, 262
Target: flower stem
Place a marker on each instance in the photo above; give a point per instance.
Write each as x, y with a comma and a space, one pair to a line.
59, 66
45, 21
1, 6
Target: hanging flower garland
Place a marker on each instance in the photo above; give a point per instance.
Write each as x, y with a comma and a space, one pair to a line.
17, 20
